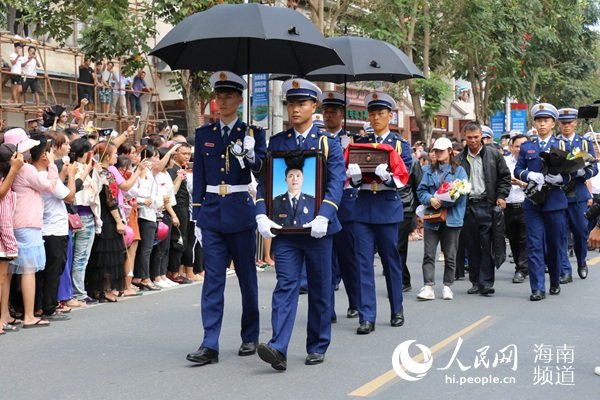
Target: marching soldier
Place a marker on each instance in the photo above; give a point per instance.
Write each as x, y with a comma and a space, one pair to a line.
334, 107
545, 224
293, 250
578, 194
226, 153
376, 216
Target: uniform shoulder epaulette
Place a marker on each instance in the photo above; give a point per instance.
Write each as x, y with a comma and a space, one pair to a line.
279, 134
400, 137
325, 133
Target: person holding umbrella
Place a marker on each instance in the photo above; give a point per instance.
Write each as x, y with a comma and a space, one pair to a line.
377, 213
294, 250
334, 109
226, 153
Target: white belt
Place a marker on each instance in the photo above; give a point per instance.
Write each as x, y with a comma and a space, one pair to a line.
375, 187
224, 189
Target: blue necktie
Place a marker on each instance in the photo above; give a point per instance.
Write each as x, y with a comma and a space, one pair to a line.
379, 139
542, 145
294, 205
300, 140
226, 135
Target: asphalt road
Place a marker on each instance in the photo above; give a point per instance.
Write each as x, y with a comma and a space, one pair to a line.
135, 349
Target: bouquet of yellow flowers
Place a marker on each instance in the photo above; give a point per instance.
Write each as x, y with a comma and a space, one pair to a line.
450, 192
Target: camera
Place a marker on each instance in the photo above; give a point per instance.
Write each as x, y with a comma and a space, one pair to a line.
589, 111
594, 211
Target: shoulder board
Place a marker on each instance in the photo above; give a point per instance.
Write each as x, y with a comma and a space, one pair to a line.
400, 137
325, 133
279, 134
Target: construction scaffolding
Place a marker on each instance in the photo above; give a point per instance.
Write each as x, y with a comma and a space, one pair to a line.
60, 87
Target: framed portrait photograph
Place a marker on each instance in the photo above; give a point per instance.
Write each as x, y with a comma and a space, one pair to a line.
294, 189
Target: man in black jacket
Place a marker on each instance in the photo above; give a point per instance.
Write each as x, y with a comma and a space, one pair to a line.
408, 195
490, 180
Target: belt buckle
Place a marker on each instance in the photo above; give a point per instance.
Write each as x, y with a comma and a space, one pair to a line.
223, 190
374, 186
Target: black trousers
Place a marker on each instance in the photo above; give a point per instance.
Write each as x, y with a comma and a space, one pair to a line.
478, 240
46, 288
175, 253
404, 230
141, 267
514, 220
159, 258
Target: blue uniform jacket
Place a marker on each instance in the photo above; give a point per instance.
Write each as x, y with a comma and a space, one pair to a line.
348, 200
234, 212
430, 183
284, 215
530, 161
581, 191
384, 207
329, 145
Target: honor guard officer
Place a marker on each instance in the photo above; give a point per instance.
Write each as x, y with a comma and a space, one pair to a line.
545, 224
293, 250
317, 120
226, 153
376, 215
344, 255
578, 194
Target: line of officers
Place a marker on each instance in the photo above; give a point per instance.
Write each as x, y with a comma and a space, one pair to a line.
357, 214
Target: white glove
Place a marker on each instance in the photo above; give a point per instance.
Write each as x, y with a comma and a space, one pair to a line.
382, 172
580, 172
345, 141
198, 234
554, 179
536, 177
318, 226
265, 225
249, 143
354, 173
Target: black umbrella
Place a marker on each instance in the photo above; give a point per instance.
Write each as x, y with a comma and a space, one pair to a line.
246, 38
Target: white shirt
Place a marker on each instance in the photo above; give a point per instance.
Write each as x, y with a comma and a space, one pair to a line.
303, 134
516, 194
16, 68
230, 125
291, 197
165, 186
30, 69
595, 180
56, 219
147, 188
383, 137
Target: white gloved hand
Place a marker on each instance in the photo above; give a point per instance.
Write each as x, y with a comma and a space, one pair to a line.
382, 172
345, 141
249, 143
265, 225
536, 177
318, 226
554, 179
580, 172
354, 173
198, 234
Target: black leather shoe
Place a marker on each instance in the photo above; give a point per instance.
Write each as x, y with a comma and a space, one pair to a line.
474, 290
314, 359
486, 291
352, 313
247, 349
204, 356
518, 278
303, 290
406, 288
397, 319
554, 290
537, 295
365, 328
566, 278
334, 320
272, 356
582, 272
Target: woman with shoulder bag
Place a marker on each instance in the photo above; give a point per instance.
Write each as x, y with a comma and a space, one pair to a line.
445, 169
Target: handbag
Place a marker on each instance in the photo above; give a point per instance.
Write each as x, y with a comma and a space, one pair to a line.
75, 223
434, 216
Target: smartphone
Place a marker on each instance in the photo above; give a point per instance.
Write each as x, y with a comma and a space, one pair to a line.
136, 124
190, 166
144, 141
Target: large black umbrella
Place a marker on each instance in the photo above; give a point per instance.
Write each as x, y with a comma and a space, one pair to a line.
246, 38
365, 59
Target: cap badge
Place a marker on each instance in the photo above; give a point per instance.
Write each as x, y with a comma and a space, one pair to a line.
223, 76
295, 84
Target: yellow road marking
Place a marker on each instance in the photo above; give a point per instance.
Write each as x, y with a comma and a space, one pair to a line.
370, 387
594, 260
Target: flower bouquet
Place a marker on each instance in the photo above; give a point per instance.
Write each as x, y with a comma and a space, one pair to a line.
450, 192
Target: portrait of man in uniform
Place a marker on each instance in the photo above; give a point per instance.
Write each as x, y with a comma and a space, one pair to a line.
294, 201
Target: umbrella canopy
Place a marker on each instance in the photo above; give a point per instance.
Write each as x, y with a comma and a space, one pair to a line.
365, 59
246, 38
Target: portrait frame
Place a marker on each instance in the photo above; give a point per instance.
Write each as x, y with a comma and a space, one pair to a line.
276, 188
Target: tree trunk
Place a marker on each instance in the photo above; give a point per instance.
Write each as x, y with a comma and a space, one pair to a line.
191, 101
